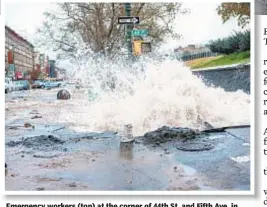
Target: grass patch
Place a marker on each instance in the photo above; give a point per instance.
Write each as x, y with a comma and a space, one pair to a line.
235, 58
200, 61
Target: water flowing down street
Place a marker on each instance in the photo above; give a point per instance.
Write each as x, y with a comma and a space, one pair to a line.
75, 144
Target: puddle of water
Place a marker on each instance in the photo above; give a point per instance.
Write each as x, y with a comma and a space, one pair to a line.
241, 133
100, 162
216, 136
104, 164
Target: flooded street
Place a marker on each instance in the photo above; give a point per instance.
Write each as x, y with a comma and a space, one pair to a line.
48, 148
149, 99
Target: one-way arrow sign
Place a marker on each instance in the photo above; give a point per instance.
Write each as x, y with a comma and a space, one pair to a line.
128, 20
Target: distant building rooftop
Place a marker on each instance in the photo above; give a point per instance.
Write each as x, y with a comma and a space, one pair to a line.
18, 36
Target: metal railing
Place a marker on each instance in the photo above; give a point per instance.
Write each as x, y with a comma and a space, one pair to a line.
194, 56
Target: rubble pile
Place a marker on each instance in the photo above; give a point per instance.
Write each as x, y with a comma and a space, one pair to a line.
38, 142
165, 134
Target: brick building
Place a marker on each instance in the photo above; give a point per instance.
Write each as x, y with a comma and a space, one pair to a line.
23, 53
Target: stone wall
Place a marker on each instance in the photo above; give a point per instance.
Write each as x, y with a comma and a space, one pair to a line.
230, 78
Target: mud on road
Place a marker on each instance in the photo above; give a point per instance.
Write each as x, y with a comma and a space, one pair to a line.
55, 157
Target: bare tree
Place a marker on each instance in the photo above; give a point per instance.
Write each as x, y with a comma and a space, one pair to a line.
239, 10
95, 25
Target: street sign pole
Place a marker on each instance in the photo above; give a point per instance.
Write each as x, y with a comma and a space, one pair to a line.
128, 29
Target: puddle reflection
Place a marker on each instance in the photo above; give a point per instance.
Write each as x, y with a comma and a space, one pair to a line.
126, 150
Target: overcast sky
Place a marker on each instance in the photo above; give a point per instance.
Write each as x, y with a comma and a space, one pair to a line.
198, 27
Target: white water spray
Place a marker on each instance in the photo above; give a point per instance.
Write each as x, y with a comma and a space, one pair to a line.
149, 94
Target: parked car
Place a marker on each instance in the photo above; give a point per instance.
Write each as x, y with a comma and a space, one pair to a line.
53, 83
38, 84
8, 85
18, 86
22, 85
26, 84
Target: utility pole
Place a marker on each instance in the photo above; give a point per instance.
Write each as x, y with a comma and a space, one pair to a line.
128, 10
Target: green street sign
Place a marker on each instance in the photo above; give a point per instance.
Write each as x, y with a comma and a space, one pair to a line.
141, 32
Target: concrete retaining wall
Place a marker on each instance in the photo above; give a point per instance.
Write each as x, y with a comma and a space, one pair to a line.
230, 78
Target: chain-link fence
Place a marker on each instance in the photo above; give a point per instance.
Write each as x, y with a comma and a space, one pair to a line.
192, 55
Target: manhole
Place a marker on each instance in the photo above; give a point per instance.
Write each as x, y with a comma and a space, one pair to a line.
195, 146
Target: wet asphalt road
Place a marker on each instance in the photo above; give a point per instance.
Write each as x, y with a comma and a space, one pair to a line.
62, 159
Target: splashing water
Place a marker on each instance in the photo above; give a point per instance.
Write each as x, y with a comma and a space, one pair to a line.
149, 94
